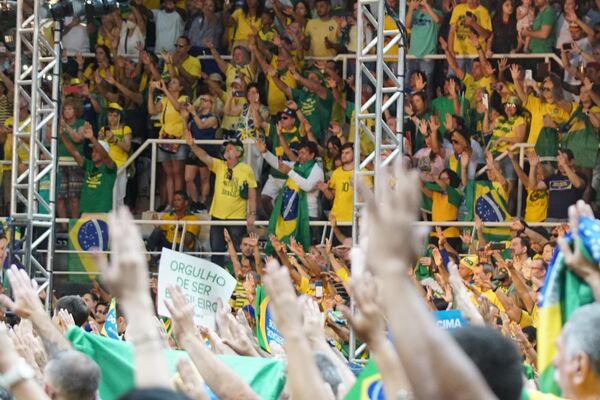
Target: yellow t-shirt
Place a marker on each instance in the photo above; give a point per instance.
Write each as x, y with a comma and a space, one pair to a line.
525, 320
234, 72
169, 230
89, 72
22, 151
341, 183
471, 86
117, 154
227, 202
305, 287
491, 296
389, 25
171, 121
505, 129
318, 30
275, 97
191, 65
243, 24
536, 207
538, 109
462, 43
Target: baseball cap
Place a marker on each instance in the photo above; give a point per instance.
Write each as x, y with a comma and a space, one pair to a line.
289, 111
115, 107
216, 77
103, 144
469, 262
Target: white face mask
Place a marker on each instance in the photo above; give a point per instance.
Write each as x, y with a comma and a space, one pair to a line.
130, 24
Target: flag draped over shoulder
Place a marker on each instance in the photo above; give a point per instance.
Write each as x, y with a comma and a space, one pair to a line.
266, 331
85, 234
563, 292
488, 201
581, 139
115, 359
109, 329
290, 212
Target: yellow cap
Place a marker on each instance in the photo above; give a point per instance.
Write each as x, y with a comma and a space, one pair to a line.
115, 106
75, 81
469, 261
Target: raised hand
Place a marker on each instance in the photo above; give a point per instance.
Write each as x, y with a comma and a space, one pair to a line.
226, 236
126, 276
367, 321
26, 301
182, 313
190, 382
392, 217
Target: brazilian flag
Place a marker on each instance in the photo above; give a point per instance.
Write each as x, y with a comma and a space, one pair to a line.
368, 385
488, 201
290, 213
563, 292
266, 331
115, 359
85, 234
109, 329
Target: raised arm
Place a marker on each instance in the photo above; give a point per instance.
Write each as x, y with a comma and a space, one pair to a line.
70, 147
218, 59
198, 151
235, 261
279, 83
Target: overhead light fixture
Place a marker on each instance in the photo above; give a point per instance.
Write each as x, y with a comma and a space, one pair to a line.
98, 8
59, 9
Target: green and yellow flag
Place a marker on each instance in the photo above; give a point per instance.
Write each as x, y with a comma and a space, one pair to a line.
290, 213
563, 292
368, 385
115, 359
86, 233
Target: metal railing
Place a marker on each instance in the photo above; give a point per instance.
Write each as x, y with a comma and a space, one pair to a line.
345, 59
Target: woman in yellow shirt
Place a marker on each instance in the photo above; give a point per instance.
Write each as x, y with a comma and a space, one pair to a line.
109, 31
172, 156
243, 19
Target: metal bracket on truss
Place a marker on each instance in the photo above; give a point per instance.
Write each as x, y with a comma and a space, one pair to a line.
370, 125
34, 158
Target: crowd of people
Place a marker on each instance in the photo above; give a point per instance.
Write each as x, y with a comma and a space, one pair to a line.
260, 77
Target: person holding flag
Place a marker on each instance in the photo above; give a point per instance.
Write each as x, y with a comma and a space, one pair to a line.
298, 200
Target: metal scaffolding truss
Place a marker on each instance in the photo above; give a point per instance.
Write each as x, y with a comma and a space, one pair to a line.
377, 91
34, 160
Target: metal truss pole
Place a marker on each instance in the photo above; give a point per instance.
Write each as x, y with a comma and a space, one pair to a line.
33, 194
373, 99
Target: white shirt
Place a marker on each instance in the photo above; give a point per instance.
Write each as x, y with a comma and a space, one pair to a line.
169, 26
127, 45
76, 39
309, 184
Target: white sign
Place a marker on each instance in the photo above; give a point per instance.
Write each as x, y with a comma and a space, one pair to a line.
201, 281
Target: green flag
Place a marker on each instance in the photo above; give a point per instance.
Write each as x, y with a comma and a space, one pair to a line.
115, 359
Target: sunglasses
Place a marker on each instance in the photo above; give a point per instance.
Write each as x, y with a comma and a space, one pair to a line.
229, 174
285, 117
546, 89
180, 45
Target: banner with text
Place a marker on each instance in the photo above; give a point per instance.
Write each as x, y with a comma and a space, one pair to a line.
201, 281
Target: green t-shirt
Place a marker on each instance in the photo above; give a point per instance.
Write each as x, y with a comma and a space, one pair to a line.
443, 106
97, 190
545, 17
316, 111
423, 33
62, 150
